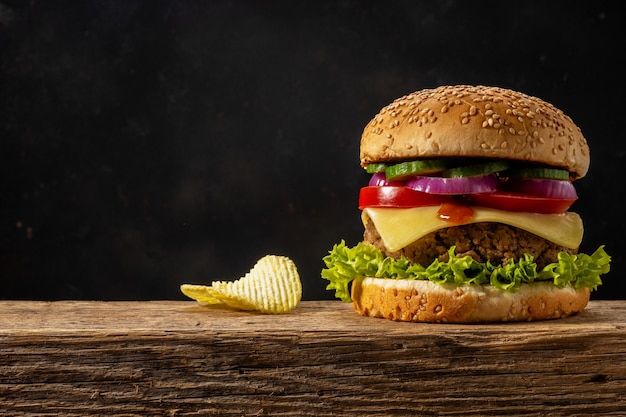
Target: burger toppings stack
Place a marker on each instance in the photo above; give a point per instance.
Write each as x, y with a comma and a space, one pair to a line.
467, 212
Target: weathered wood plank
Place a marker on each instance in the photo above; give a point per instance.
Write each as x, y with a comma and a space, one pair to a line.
178, 359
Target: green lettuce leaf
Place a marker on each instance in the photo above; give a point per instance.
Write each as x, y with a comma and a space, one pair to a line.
344, 264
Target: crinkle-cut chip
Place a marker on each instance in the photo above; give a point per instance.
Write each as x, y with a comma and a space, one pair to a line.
272, 286
201, 293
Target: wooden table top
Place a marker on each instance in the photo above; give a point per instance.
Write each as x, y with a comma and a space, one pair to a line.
180, 358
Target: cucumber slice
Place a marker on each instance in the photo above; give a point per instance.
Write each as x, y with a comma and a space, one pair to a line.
476, 170
375, 167
540, 172
410, 169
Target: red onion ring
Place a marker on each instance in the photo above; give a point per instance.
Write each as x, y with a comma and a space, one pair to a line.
379, 179
460, 185
543, 187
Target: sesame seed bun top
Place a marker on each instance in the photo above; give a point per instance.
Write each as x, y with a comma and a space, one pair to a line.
475, 121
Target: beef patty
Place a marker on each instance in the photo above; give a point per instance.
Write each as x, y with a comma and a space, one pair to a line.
494, 242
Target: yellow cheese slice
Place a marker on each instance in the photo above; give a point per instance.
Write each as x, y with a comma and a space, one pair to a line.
399, 227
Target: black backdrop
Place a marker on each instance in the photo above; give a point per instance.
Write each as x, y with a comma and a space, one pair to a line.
147, 143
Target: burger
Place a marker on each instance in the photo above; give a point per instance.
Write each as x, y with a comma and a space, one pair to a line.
467, 212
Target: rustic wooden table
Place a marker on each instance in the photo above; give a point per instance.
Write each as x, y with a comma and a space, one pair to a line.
177, 358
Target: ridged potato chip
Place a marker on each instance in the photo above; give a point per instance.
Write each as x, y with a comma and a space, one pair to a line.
272, 286
201, 293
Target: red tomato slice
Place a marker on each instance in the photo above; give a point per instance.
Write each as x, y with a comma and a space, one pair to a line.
399, 197
522, 202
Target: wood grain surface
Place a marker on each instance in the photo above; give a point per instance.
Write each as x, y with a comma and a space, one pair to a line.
171, 358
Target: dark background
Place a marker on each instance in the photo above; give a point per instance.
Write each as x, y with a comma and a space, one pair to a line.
144, 144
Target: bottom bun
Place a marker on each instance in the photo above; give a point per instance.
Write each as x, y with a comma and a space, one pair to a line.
426, 301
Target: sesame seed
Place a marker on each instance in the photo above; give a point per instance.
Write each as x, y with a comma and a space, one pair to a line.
444, 109
473, 110
429, 135
465, 120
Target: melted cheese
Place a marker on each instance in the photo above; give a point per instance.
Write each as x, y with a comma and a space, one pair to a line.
401, 227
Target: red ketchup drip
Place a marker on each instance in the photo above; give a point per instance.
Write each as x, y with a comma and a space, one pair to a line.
455, 213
